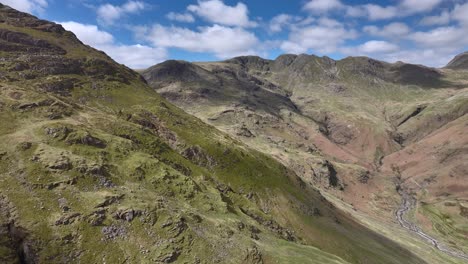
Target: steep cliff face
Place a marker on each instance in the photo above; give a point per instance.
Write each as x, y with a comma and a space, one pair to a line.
95, 166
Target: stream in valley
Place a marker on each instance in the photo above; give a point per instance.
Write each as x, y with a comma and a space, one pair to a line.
408, 203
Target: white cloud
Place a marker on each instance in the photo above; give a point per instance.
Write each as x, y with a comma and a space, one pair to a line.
442, 19
323, 6
324, 37
134, 56
28, 6
377, 46
418, 6
278, 22
373, 11
373, 48
460, 13
88, 34
428, 57
223, 42
285, 21
376, 12
217, 12
181, 17
108, 13
447, 38
392, 30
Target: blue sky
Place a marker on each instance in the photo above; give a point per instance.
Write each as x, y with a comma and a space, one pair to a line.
140, 33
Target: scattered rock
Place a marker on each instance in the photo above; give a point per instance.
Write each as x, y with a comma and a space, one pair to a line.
112, 232
127, 214
450, 204
68, 219
270, 224
198, 156
337, 88
326, 173
170, 257
24, 146
58, 132
63, 204
245, 132
97, 217
253, 256
463, 211
62, 163
93, 141
61, 87
175, 227
364, 177
108, 200
25, 106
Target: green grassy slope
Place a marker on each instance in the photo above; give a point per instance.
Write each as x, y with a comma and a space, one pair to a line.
96, 167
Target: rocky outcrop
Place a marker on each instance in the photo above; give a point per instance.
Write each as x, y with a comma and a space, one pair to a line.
11, 41
198, 156
15, 18
251, 63
253, 256
85, 138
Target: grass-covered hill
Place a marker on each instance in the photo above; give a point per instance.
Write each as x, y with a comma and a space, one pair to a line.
96, 167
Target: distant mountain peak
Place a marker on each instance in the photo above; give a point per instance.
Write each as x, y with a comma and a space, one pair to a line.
459, 62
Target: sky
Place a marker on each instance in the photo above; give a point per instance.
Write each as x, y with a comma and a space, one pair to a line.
141, 33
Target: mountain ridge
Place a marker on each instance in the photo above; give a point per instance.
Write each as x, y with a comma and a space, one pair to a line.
459, 62
350, 128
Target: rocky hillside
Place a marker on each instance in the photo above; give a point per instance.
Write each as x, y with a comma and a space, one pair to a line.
358, 129
459, 62
96, 167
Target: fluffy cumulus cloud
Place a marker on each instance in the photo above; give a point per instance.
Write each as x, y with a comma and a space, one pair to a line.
437, 20
181, 17
216, 11
430, 57
279, 22
324, 36
371, 48
134, 56
392, 30
460, 13
439, 35
376, 12
88, 34
223, 42
323, 6
443, 38
108, 14
226, 29
417, 6
372, 11
29, 6
377, 46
